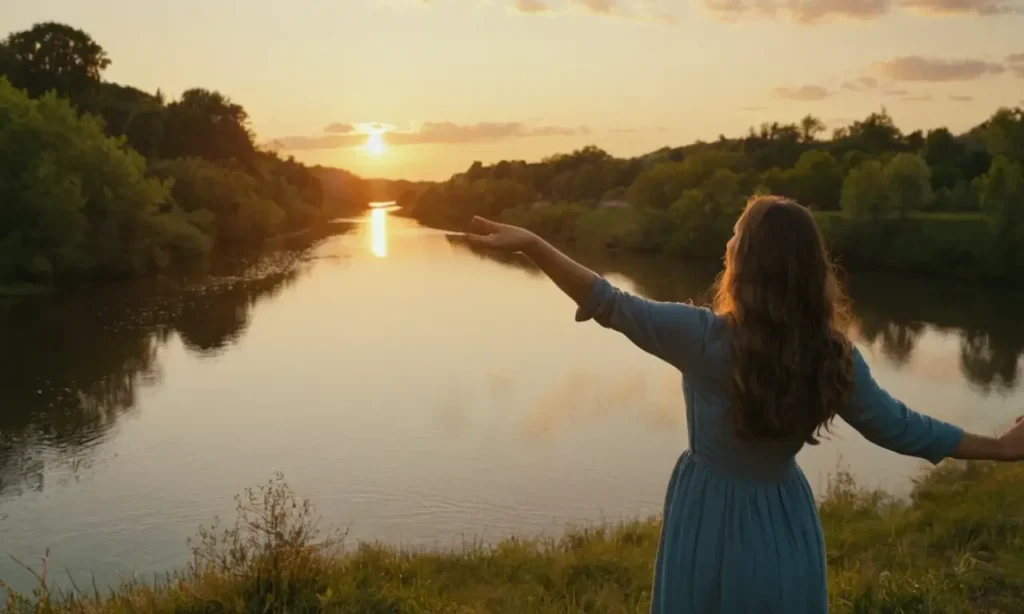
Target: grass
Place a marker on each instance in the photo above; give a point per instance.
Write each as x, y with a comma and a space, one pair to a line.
956, 545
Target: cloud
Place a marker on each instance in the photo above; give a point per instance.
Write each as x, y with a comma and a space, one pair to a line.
860, 84
1016, 61
807, 12
962, 7
919, 98
337, 128
804, 92
326, 141
431, 133
603, 7
811, 12
895, 91
530, 6
917, 68
638, 129
960, 98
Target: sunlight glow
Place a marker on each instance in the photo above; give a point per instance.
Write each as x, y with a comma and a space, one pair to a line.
379, 232
375, 145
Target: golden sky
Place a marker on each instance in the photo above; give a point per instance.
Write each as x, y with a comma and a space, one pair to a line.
422, 88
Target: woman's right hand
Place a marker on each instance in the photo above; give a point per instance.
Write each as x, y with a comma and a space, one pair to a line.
1012, 441
504, 237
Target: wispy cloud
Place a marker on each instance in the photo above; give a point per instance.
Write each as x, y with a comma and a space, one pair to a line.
808, 12
860, 84
803, 92
812, 12
960, 98
963, 7
530, 6
917, 68
1016, 62
431, 133
919, 98
340, 128
635, 10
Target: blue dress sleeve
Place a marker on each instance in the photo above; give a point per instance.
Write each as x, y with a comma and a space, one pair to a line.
889, 423
674, 332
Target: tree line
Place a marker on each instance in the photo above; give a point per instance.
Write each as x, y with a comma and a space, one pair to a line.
105, 180
923, 201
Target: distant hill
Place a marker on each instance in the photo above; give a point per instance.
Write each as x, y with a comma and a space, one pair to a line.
346, 192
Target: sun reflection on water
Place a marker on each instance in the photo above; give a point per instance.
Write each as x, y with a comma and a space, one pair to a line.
379, 232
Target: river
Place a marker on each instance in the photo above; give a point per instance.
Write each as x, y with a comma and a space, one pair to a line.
420, 393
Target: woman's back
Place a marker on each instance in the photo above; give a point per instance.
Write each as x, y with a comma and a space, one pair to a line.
764, 373
741, 532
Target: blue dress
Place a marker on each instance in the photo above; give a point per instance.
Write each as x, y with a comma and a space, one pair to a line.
741, 532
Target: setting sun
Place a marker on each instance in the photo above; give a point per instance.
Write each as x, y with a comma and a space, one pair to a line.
375, 145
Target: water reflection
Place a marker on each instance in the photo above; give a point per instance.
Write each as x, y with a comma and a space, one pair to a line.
75, 364
379, 232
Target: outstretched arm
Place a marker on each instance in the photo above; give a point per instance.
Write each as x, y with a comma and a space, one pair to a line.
889, 423
571, 277
673, 332
1007, 447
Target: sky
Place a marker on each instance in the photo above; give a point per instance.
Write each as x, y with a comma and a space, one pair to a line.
420, 89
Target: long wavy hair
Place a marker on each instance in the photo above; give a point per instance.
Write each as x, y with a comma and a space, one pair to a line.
792, 366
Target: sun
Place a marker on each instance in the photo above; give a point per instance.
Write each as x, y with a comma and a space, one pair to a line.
375, 145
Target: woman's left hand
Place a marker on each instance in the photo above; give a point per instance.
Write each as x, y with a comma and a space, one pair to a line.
504, 237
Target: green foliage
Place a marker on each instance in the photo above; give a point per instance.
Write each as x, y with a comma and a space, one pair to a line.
1004, 134
53, 57
908, 183
817, 180
1002, 196
76, 202
209, 125
229, 198
864, 192
956, 546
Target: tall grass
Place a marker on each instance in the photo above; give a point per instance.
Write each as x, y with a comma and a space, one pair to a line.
957, 545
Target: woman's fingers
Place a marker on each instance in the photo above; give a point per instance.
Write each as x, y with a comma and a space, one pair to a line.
484, 225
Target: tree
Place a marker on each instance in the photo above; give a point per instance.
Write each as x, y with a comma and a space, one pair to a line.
1004, 134
52, 56
818, 180
207, 124
863, 194
77, 202
944, 155
810, 128
875, 135
1001, 192
908, 181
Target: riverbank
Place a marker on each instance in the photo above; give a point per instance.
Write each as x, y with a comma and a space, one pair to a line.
956, 545
959, 245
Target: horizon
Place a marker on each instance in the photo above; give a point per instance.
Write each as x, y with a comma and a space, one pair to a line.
387, 90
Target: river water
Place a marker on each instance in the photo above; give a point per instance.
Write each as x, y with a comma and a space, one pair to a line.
420, 393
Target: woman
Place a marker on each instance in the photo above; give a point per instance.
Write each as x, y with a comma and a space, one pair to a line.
764, 373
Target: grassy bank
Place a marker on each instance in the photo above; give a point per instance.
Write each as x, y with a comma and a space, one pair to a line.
956, 545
